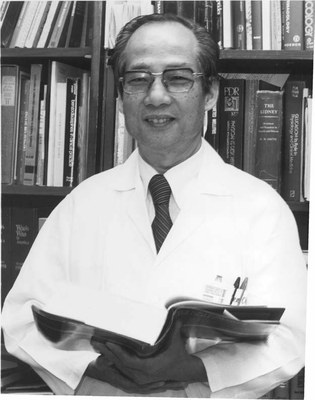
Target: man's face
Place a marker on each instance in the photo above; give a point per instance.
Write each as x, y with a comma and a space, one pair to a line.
164, 123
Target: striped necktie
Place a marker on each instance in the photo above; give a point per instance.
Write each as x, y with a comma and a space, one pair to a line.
162, 223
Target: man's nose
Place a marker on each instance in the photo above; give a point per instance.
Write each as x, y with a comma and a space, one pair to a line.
157, 94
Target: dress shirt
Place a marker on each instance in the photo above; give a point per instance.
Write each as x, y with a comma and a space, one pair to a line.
180, 178
100, 238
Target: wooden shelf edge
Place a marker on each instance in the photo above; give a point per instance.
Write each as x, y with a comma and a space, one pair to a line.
84, 52
22, 190
284, 55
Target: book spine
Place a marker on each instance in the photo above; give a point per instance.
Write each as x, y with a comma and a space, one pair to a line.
39, 12
293, 25
276, 25
58, 33
231, 110
248, 25
212, 134
239, 34
42, 23
72, 104
26, 24
309, 10
257, 24
297, 385
269, 137
10, 20
9, 106
49, 24
158, 7
75, 26
18, 24
24, 230
83, 114
228, 40
6, 251
266, 25
291, 190
22, 128
219, 24
307, 148
32, 127
41, 139
58, 154
251, 87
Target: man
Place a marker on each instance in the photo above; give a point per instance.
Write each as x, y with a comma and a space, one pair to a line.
220, 223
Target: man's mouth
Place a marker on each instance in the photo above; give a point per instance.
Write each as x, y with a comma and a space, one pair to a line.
159, 121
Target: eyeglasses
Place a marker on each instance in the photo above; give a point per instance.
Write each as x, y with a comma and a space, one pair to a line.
179, 80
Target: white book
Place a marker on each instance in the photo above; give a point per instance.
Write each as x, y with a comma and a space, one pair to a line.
41, 139
59, 148
26, 23
249, 26
47, 26
276, 33
227, 25
18, 24
266, 25
59, 73
29, 41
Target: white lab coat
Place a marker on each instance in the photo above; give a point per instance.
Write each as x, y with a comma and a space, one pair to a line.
100, 237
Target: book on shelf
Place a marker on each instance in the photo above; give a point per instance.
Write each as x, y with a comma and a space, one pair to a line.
38, 19
59, 139
293, 24
257, 24
307, 147
74, 32
297, 388
309, 15
6, 237
42, 132
59, 74
212, 130
282, 391
268, 127
266, 25
24, 228
276, 25
41, 24
24, 24
293, 140
59, 33
239, 24
31, 139
9, 118
71, 131
9, 20
227, 25
49, 24
231, 120
72, 318
248, 25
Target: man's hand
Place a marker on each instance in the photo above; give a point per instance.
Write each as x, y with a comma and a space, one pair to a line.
172, 368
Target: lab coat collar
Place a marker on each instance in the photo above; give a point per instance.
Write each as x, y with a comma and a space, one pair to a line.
212, 178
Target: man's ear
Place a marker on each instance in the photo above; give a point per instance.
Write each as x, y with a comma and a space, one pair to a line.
212, 95
120, 103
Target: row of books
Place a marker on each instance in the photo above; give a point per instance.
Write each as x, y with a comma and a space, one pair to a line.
251, 25
51, 24
262, 124
19, 228
44, 124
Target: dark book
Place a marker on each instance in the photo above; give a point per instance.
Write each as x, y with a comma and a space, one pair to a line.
23, 230
212, 131
11, 17
231, 121
293, 24
309, 15
170, 7
146, 329
9, 120
75, 24
293, 140
207, 10
22, 126
186, 9
257, 25
59, 33
239, 24
297, 389
71, 130
41, 24
269, 123
33, 125
6, 269
49, 24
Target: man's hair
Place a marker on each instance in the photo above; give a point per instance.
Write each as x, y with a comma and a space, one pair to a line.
208, 51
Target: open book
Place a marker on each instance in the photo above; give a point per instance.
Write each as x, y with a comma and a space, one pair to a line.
146, 329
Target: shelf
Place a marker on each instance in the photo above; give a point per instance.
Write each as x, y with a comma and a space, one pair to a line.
272, 61
21, 190
47, 53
